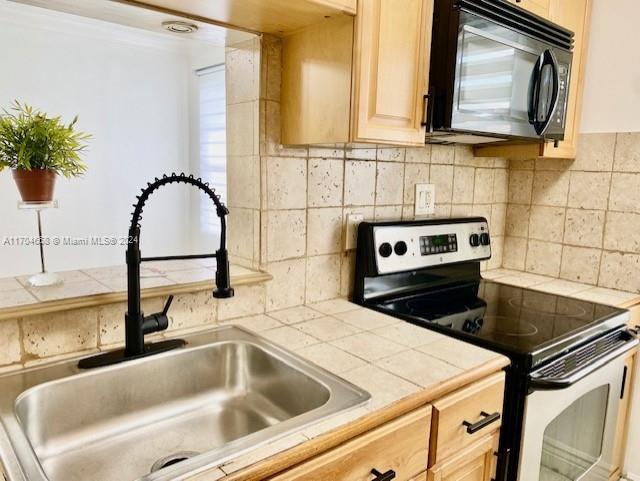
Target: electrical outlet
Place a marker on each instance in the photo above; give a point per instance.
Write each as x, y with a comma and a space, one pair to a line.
425, 203
351, 237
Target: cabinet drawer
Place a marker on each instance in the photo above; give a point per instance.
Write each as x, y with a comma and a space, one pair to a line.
401, 445
453, 414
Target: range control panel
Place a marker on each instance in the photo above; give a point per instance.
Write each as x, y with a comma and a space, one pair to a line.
407, 246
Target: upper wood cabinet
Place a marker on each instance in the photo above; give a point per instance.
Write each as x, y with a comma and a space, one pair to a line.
359, 81
576, 16
538, 7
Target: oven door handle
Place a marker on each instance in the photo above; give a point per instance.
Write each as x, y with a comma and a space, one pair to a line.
564, 382
541, 120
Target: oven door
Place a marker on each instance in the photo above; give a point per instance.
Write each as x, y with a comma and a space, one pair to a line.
507, 83
569, 428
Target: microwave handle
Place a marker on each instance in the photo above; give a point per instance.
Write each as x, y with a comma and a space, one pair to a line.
546, 58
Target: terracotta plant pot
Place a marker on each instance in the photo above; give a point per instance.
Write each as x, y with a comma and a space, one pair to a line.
35, 185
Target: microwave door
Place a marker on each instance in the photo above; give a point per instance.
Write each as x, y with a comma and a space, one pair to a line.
492, 86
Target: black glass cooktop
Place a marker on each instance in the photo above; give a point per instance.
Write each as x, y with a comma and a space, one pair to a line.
512, 320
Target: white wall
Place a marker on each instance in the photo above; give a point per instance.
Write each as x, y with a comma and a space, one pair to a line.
131, 91
612, 87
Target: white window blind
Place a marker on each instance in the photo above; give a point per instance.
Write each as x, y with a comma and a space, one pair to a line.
213, 141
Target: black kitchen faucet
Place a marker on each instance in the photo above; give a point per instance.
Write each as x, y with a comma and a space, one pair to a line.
136, 323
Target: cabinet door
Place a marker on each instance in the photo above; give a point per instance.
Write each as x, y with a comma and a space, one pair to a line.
391, 70
574, 15
474, 463
401, 445
537, 7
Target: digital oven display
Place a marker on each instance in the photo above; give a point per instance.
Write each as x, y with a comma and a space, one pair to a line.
438, 244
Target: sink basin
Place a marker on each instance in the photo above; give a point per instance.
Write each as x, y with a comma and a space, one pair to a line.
163, 417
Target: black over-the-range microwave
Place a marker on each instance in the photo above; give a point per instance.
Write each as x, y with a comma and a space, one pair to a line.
497, 73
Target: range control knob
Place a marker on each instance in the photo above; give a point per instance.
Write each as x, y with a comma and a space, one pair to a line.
385, 249
474, 240
400, 248
484, 239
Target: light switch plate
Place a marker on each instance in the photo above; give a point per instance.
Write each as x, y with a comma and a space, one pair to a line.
425, 203
351, 237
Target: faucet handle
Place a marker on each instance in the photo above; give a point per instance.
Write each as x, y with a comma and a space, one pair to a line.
158, 321
167, 305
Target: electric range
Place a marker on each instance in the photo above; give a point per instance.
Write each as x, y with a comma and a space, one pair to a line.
428, 273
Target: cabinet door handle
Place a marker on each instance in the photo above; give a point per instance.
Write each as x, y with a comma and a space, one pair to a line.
388, 476
483, 423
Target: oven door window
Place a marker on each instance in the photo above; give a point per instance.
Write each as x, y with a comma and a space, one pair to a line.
573, 441
494, 72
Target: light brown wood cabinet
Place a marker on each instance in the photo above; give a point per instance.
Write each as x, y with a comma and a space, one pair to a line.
361, 80
428, 444
537, 7
473, 463
576, 16
401, 445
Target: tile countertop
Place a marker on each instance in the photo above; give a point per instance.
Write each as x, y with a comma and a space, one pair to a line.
562, 287
102, 285
403, 367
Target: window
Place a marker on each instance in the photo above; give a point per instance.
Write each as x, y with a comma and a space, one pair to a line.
213, 139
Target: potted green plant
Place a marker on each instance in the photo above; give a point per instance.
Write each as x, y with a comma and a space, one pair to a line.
37, 148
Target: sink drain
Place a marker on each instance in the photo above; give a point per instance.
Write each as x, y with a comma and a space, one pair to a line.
172, 459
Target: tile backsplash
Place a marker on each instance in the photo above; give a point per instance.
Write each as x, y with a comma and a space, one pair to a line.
578, 220
307, 192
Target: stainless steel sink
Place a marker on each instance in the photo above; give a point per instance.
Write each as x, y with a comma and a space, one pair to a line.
162, 417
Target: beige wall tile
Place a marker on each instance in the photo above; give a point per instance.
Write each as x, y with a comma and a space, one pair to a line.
514, 253
240, 118
498, 219
621, 232
193, 309
247, 301
359, 182
442, 177
463, 182
242, 74
546, 223
9, 342
550, 188
620, 271
500, 185
497, 251
240, 227
390, 154
589, 190
520, 186
625, 192
243, 181
522, 164
544, 258
463, 155
325, 182
286, 234
324, 231
60, 333
595, 152
580, 264
389, 183
553, 164
414, 174
347, 272
484, 186
288, 285
271, 133
335, 152
388, 212
627, 156
442, 154
351, 230
584, 227
517, 220
361, 152
323, 278
286, 183
418, 154
461, 210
